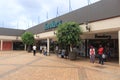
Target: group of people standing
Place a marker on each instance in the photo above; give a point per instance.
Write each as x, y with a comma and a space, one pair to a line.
101, 54
42, 50
61, 52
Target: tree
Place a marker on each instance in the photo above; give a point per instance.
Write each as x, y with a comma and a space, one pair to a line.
28, 39
68, 34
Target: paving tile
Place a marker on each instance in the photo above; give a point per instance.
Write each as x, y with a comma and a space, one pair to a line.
6, 68
20, 65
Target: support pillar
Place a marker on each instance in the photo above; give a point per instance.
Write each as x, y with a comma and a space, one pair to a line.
25, 47
86, 48
12, 45
48, 46
71, 49
1, 45
119, 45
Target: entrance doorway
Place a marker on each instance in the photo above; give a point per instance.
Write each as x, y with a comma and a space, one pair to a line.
111, 43
18, 46
43, 43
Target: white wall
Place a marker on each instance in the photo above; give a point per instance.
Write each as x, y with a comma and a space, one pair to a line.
3, 37
108, 25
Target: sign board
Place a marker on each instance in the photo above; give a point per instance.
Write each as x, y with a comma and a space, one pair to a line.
103, 36
52, 24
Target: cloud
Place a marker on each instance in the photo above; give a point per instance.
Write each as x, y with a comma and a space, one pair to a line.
23, 14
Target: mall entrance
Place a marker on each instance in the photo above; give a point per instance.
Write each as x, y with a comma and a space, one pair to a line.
111, 43
43, 43
18, 45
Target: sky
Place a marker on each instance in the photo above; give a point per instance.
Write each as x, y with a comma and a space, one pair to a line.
23, 14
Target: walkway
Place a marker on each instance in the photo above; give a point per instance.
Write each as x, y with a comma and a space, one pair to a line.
21, 65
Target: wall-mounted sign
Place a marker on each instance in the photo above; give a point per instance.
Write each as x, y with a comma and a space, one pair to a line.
52, 24
103, 36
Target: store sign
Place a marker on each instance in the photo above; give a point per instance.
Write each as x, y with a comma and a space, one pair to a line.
52, 24
103, 36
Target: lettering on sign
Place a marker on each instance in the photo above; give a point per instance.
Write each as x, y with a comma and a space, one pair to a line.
52, 24
103, 36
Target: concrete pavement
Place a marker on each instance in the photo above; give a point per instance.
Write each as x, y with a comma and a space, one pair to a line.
20, 65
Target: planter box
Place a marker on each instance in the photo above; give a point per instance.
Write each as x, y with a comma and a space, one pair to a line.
72, 55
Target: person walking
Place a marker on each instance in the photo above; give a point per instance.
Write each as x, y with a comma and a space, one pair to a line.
40, 49
108, 53
56, 50
34, 50
45, 51
63, 53
100, 53
92, 54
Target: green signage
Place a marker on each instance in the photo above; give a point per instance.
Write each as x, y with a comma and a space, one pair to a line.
52, 24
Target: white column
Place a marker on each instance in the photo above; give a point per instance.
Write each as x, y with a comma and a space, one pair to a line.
119, 45
1, 45
70, 48
48, 46
25, 47
12, 45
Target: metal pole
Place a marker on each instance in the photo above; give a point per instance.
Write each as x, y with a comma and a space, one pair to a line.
47, 15
57, 14
70, 8
88, 2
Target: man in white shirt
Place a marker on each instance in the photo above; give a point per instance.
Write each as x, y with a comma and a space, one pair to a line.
56, 50
34, 50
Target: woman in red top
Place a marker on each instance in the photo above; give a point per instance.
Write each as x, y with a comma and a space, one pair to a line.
100, 52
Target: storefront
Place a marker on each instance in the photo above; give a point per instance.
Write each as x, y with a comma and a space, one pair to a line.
7, 45
43, 43
103, 27
17, 45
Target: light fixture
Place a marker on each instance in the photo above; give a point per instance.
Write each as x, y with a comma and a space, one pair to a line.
87, 26
87, 23
54, 32
17, 37
37, 36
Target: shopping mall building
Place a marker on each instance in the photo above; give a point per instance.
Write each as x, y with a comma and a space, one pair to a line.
100, 23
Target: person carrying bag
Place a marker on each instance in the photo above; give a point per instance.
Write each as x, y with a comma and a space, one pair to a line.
92, 54
101, 55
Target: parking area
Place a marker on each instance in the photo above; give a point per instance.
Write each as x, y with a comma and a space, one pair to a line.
20, 65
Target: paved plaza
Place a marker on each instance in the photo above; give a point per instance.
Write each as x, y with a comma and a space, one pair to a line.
20, 65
